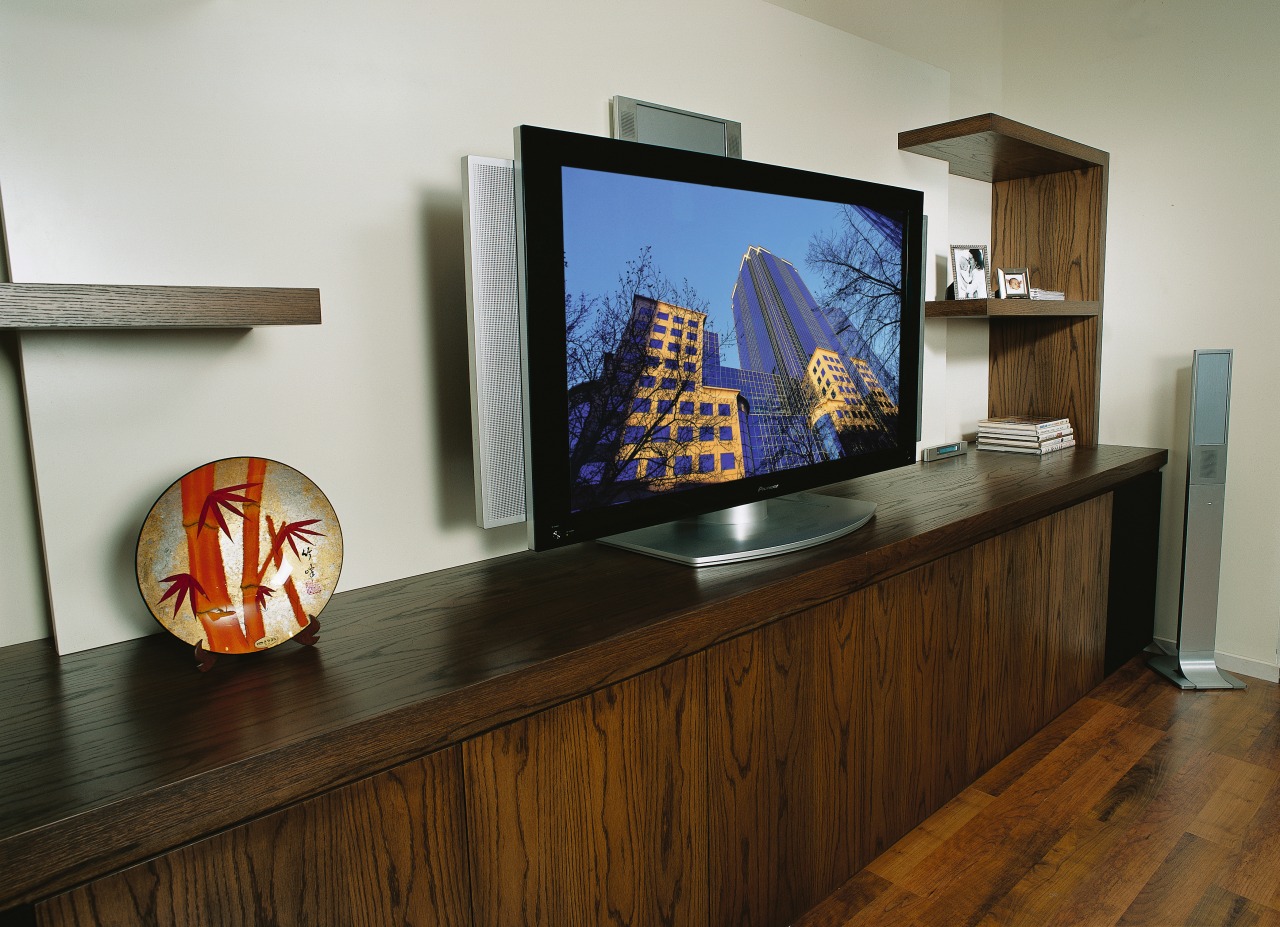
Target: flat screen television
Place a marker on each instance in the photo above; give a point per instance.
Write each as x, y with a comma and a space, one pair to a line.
706, 340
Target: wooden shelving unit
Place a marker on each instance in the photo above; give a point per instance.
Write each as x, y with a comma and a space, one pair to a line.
1048, 214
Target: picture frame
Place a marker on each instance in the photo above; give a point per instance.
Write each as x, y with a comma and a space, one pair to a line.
971, 271
1015, 283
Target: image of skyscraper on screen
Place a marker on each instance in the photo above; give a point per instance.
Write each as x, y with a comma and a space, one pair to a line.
672, 385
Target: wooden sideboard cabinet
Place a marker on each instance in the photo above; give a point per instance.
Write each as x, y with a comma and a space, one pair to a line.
586, 736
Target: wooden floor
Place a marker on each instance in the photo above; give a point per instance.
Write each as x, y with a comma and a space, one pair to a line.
1140, 805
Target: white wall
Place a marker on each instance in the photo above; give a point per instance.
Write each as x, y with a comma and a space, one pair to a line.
962, 38
281, 142
1183, 95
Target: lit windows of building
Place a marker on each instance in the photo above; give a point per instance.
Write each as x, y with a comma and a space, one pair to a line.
667, 441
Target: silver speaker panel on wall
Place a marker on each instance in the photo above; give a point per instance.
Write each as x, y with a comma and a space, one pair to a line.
637, 121
493, 335
1194, 666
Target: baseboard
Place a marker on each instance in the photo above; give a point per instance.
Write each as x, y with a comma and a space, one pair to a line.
1246, 667
1227, 661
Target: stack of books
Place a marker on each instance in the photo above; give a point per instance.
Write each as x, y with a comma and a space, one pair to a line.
1037, 293
1025, 434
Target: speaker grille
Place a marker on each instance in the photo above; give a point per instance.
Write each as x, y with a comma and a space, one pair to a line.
494, 325
1210, 464
627, 124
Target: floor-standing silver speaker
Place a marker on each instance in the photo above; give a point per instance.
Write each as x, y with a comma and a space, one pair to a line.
1194, 665
493, 333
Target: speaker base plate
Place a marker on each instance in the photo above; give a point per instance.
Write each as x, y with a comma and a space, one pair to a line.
1196, 675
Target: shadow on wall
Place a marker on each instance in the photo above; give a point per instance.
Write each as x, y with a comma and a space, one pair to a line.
1177, 413
444, 283
19, 523
942, 270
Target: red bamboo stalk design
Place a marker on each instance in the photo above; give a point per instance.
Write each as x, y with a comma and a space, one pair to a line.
290, 588
250, 576
204, 560
225, 634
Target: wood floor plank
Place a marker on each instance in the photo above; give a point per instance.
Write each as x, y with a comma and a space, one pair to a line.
1144, 781
857, 895
1038, 895
1256, 871
1106, 894
1016, 765
896, 863
1217, 720
1183, 878
1265, 750
1220, 908
1234, 804
859, 903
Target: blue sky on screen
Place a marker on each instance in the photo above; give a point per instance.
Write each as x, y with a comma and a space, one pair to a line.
697, 232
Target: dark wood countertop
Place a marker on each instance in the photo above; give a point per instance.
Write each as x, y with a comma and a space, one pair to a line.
113, 755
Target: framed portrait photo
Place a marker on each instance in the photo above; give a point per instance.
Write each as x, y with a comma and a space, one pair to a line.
1014, 283
970, 270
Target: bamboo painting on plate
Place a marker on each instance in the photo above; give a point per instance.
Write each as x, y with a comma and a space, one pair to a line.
239, 555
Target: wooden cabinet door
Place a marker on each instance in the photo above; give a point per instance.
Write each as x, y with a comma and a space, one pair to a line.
593, 813
831, 733
1039, 635
386, 850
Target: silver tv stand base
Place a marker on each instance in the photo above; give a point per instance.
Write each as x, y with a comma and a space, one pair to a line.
751, 531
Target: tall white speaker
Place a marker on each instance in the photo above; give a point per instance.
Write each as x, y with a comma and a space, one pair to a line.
1194, 665
493, 334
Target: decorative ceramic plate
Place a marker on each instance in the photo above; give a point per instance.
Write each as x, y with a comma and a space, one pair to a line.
239, 555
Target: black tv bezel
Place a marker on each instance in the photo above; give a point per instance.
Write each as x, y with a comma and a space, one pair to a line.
541, 154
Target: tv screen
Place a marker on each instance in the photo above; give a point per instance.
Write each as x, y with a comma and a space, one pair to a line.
701, 332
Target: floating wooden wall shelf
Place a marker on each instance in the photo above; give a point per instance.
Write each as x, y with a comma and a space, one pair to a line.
988, 308
993, 148
85, 307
